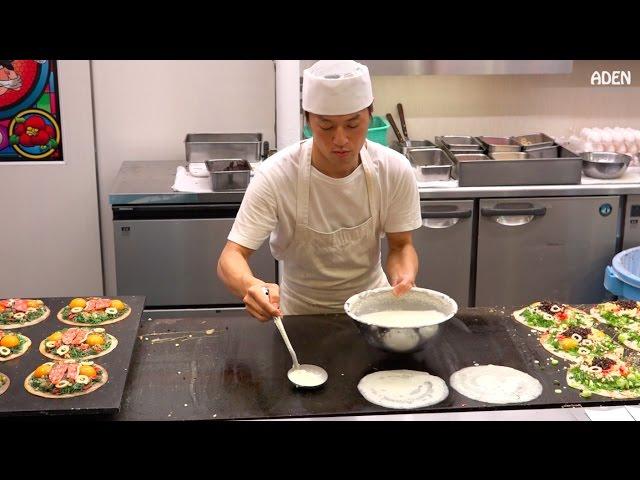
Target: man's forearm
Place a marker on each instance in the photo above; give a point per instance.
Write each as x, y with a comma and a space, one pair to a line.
235, 273
402, 261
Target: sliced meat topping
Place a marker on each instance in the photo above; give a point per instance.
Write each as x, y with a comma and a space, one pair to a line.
58, 372
72, 371
81, 336
70, 335
20, 305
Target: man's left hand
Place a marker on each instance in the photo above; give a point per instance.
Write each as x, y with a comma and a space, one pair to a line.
402, 284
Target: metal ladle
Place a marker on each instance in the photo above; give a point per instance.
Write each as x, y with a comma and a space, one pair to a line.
317, 375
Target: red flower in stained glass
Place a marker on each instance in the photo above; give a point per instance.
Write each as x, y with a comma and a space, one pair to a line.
34, 131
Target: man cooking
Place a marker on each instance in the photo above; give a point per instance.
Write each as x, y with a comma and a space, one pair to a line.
325, 203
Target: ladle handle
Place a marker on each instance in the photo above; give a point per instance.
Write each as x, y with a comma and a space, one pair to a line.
283, 334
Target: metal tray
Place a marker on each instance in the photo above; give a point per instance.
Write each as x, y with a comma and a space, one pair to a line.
459, 143
509, 155
470, 157
229, 174
107, 399
200, 147
563, 169
408, 145
535, 140
550, 151
499, 144
430, 164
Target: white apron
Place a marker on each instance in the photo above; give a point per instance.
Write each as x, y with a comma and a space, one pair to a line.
322, 270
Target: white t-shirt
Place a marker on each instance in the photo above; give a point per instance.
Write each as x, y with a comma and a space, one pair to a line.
269, 204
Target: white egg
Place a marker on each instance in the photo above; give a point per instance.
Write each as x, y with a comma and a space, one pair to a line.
617, 137
595, 136
585, 132
622, 148
587, 147
629, 136
597, 147
606, 138
611, 148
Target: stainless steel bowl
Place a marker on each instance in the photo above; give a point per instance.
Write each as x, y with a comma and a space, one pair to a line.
399, 339
605, 165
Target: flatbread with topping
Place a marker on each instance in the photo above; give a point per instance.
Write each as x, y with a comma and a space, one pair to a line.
619, 314
20, 312
577, 343
4, 383
93, 311
12, 345
78, 343
544, 316
65, 379
606, 376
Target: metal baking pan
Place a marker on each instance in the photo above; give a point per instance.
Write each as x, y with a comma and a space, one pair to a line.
509, 155
459, 143
200, 147
470, 157
564, 169
535, 140
229, 174
408, 145
499, 144
551, 151
430, 164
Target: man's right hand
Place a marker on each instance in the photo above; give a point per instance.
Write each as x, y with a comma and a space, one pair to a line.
261, 306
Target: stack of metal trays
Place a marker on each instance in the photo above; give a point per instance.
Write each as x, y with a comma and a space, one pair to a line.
522, 160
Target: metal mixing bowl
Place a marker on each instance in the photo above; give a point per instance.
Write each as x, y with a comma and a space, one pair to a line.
605, 164
399, 339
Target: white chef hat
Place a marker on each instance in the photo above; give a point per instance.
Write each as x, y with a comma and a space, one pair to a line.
336, 87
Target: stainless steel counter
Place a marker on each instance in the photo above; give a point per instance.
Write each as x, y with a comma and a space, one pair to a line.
150, 183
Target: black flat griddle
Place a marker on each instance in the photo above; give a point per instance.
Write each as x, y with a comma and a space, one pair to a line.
107, 399
239, 370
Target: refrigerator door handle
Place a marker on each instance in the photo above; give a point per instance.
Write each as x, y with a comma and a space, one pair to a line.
443, 218
514, 214
447, 214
